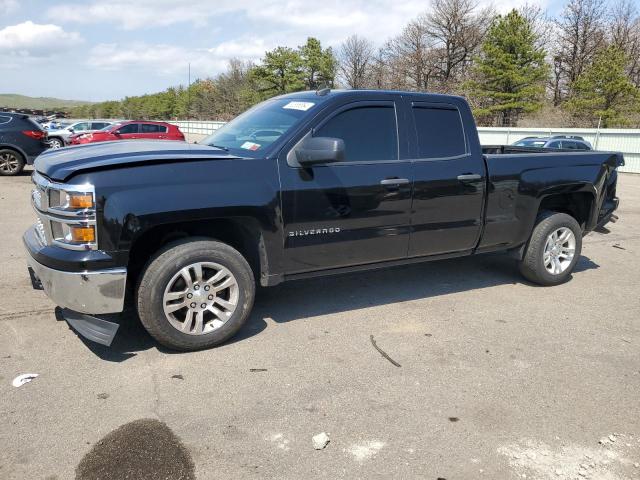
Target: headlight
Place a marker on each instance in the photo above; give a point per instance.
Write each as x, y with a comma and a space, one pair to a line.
66, 214
69, 198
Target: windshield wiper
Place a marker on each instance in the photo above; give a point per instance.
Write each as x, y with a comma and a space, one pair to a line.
226, 149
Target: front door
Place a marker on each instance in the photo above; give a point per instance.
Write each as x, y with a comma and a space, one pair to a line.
129, 131
352, 212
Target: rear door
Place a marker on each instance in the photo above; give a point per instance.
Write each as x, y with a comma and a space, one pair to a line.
449, 179
152, 131
352, 212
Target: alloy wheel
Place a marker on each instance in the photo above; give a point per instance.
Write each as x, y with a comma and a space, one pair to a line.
559, 250
200, 298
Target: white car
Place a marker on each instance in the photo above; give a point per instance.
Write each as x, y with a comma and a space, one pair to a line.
60, 138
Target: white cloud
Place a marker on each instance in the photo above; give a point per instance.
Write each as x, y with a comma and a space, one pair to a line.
170, 59
30, 39
329, 19
8, 6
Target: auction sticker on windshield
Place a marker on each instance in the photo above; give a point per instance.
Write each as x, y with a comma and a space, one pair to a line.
250, 146
304, 106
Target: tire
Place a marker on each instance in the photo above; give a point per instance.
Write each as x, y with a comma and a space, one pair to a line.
55, 143
540, 266
164, 275
11, 162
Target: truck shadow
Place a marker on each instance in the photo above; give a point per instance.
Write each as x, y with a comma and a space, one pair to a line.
329, 295
341, 293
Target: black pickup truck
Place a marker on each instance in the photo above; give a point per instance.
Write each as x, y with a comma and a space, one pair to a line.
302, 185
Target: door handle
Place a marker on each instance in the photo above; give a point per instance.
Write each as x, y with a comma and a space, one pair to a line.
394, 181
469, 177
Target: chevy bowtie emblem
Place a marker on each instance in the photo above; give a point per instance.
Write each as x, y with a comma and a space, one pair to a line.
314, 231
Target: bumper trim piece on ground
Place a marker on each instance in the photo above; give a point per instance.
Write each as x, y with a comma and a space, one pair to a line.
92, 328
91, 292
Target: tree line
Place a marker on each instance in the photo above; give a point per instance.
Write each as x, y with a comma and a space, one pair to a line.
581, 68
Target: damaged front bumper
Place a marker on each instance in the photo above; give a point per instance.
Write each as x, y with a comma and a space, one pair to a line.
81, 294
85, 292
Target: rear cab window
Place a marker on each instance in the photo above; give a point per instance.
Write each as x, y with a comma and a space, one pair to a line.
439, 131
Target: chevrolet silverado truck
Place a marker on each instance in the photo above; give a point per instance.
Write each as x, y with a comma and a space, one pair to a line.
301, 185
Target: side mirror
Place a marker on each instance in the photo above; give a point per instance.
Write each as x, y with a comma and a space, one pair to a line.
116, 133
318, 150
71, 129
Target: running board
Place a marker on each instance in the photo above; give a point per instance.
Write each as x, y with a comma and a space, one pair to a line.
90, 327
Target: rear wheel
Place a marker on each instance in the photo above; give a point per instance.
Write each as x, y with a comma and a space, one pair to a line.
553, 249
56, 143
195, 294
11, 162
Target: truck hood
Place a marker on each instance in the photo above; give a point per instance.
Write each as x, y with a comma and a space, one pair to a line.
60, 164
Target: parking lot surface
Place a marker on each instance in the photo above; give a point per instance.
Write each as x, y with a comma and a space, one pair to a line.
498, 378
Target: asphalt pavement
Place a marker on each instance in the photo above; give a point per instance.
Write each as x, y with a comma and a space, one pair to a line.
492, 377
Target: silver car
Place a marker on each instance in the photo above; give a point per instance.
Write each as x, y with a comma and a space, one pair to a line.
60, 138
564, 142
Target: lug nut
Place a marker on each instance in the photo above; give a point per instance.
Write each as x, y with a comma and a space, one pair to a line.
196, 287
207, 287
210, 297
204, 305
193, 305
189, 295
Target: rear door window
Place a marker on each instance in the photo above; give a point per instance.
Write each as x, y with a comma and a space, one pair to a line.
98, 125
369, 133
152, 128
80, 127
439, 131
555, 145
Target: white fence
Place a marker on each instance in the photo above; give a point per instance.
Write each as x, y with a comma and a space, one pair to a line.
625, 141
199, 128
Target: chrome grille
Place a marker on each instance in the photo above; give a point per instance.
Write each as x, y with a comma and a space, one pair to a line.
42, 237
36, 196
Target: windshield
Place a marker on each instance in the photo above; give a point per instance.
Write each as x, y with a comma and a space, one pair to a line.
110, 127
254, 131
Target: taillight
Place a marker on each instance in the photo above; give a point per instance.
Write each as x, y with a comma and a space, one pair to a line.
37, 134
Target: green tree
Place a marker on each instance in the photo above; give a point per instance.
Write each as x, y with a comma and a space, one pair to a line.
510, 74
318, 64
604, 91
281, 72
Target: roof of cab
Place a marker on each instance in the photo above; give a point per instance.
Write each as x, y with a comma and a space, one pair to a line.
323, 95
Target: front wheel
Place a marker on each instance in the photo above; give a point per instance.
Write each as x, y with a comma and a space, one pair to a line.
195, 294
553, 249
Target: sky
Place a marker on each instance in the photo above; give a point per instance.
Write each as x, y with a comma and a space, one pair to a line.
99, 50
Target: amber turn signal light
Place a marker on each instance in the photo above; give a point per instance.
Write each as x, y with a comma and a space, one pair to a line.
80, 201
83, 234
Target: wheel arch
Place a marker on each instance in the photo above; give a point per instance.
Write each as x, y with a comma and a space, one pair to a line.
242, 233
578, 204
15, 149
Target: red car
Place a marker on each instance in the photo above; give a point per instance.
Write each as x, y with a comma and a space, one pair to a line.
131, 130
